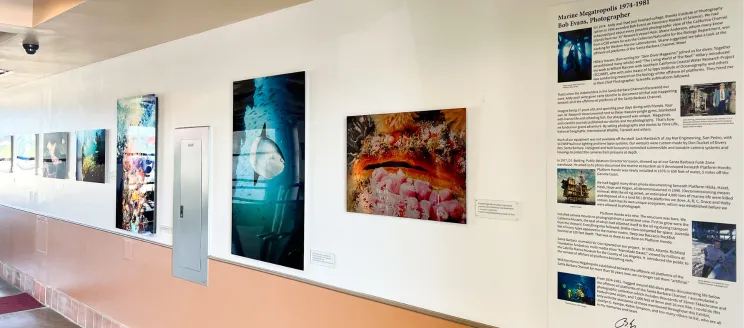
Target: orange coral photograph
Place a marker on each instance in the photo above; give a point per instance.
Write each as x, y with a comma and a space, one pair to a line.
409, 165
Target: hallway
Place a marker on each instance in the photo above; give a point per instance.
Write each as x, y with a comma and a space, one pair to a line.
37, 318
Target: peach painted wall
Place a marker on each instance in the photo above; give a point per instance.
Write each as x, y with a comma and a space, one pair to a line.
44, 10
89, 265
16, 12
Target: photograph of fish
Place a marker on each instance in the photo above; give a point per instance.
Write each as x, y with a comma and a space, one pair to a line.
55, 150
6, 154
268, 198
24, 154
136, 148
90, 160
408, 165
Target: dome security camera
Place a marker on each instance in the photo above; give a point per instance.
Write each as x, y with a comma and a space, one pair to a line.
30, 43
31, 48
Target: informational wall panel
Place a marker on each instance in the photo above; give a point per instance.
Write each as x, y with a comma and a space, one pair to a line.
644, 177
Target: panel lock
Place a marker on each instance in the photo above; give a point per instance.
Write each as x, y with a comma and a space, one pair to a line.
182, 211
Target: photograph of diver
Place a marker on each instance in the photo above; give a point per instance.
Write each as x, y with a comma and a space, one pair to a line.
714, 250
576, 288
707, 99
575, 55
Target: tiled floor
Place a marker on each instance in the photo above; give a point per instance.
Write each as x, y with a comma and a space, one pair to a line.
39, 318
7, 289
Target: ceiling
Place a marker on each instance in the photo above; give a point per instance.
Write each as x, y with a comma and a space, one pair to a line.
17, 12
95, 30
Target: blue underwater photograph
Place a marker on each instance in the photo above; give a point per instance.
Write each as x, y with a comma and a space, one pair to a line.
576, 288
268, 198
24, 154
575, 55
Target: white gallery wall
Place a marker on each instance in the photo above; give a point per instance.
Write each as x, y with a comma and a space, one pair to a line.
362, 56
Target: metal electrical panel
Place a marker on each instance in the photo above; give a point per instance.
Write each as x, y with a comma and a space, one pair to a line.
190, 204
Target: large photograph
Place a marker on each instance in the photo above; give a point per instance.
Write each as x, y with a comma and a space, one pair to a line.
136, 147
55, 150
90, 158
575, 55
409, 165
6, 154
708, 99
24, 154
576, 186
268, 199
714, 250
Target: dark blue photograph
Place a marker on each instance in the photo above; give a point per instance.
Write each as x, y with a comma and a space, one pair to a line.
575, 55
268, 198
575, 288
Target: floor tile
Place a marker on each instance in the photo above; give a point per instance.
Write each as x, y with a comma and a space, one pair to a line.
40, 318
6, 289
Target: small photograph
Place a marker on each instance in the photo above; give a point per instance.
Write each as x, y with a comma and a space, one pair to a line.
409, 165
708, 99
576, 288
90, 160
24, 154
55, 155
576, 186
6, 154
714, 250
575, 55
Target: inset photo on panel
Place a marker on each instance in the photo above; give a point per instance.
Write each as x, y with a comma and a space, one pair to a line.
90, 161
576, 288
136, 155
409, 165
6, 154
268, 153
55, 150
714, 250
575, 55
24, 154
708, 99
576, 186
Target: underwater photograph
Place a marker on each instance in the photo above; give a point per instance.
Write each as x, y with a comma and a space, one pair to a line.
136, 146
90, 160
409, 165
577, 289
55, 150
268, 192
575, 55
24, 154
